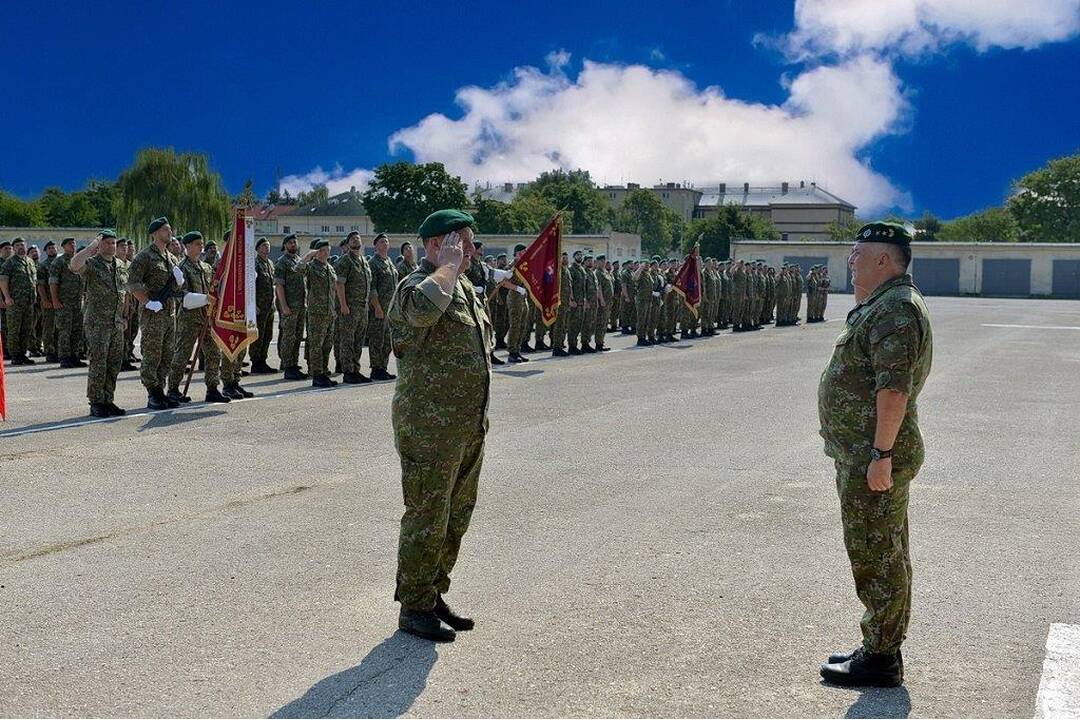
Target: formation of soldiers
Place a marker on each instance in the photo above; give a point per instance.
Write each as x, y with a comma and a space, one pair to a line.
336, 305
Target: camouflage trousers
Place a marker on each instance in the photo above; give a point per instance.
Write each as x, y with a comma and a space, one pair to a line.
876, 538
439, 485
320, 341
655, 308
189, 325
644, 311
48, 330
35, 329
558, 328
614, 312
156, 346
260, 349
588, 323
629, 311
518, 312
737, 311
822, 304
69, 329
537, 328
600, 327
131, 329
105, 353
351, 332
574, 318
290, 330
500, 319
20, 328
231, 369
378, 338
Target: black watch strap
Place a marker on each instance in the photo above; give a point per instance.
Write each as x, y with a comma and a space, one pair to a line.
880, 454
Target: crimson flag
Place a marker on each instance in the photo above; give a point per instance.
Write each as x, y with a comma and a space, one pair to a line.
233, 324
688, 281
538, 269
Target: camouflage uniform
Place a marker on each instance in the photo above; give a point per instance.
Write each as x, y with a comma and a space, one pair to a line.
887, 344
69, 317
500, 315
629, 308
576, 317
615, 309
384, 279
151, 272
21, 274
404, 267
558, 329
321, 298
264, 310
354, 275
198, 278
48, 314
517, 309
106, 281
589, 319
606, 285
289, 272
443, 345
643, 300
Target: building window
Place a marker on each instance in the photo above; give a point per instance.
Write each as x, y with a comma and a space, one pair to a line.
665, 195
285, 230
354, 227
783, 236
326, 228
339, 228
611, 195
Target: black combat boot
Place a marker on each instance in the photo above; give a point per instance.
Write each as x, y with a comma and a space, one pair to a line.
500, 344
294, 373
574, 350
559, 352
115, 411
587, 348
155, 400
177, 397
445, 613
425, 625
322, 381
517, 358
496, 360
382, 375
99, 410
213, 395
52, 358
863, 668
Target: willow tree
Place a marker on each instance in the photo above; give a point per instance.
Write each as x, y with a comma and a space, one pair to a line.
180, 186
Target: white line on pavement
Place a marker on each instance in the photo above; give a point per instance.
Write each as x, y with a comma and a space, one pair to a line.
1059, 687
1033, 327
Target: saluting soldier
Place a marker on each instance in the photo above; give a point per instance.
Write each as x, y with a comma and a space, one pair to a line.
442, 339
292, 302
264, 308
18, 288
106, 279
384, 279
867, 400
353, 287
321, 294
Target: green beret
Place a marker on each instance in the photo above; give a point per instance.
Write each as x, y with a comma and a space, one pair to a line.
287, 238
501, 256
211, 243
441, 222
50, 244
192, 237
261, 241
108, 233
18, 240
577, 252
884, 232
588, 256
655, 258
318, 243
5, 243
157, 224
381, 236
518, 248
601, 257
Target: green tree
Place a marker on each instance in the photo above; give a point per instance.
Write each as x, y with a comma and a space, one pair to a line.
15, 212
101, 194
642, 212
524, 215
68, 210
927, 227
401, 195
247, 197
180, 186
573, 191
843, 232
729, 223
317, 195
991, 225
1046, 204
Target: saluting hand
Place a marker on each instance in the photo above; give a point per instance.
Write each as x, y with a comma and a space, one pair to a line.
451, 252
879, 475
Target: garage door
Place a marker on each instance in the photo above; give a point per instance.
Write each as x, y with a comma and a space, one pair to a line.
937, 276
1066, 279
1006, 277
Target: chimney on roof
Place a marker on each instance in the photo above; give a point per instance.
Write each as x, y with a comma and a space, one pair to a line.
671, 185
802, 184
633, 186
508, 187
723, 188
783, 188
813, 184
746, 187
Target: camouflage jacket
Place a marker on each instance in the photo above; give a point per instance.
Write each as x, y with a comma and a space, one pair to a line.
886, 344
355, 275
606, 285
590, 287
289, 272
21, 274
321, 294
264, 284
404, 267
564, 287
106, 281
577, 282
151, 272
442, 343
384, 279
69, 283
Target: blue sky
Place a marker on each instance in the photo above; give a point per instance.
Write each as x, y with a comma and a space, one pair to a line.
909, 110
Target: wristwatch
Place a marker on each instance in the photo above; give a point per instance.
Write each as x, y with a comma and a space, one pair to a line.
876, 454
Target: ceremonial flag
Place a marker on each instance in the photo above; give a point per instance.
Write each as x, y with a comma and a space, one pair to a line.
688, 281
538, 269
3, 387
233, 324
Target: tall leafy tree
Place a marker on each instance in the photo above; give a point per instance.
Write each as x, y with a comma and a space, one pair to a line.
15, 212
729, 223
992, 225
401, 195
180, 186
247, 197
317, 195
1046, 204
660, 227
573, 191
928, 227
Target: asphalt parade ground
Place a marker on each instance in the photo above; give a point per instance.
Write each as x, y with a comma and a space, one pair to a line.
657, 534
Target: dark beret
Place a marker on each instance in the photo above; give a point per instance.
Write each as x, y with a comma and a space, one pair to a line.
108, 233
192, 237
65, 241
578, 252
209, 243
884, 232
287, 238
519, 247
601, 257
381, 236
261, 241
121, 241
5, 243
441, 222
503, 256
588, 256
18, 240
318, 243
157, 224
655, 258
344, 242
50, 244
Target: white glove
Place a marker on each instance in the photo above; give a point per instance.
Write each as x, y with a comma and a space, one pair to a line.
479, 288
521, 290
667, 288
655, 294
195, 300
179, 275
154, 306
499, 275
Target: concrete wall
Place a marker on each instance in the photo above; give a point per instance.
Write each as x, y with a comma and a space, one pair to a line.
970, 256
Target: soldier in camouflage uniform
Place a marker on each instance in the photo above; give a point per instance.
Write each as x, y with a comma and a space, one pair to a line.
576, 318
643, 284
558, 329
498, 298
823, 288
18, 289
106, 279
48, 314
517, 307
154, 278
66, 290
406, 261
811, 283
615, 311
605, 299
354, 298
34, 347
629, 308
592, 302
321, 294
131, 310
442, 339
384, 279
291, 293
867, 400
264, 308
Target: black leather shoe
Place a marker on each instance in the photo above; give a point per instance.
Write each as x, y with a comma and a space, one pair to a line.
262, 369
51, 358
500, 345
357, 378
115, 411
425, 625
294, 373
155, 400
866, 669
541, 346
244, 393
231, 392
642, 342
177, 397
127, 367
586, 348
322, 381
559, 352
517, 358
99, 410
526, 347
76, 362
445, 613
496, 360
574, 351
213, 395
382, 375
603, 348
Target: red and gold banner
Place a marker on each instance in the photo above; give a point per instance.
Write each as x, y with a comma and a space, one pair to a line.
538, 269
233, 324
688, 281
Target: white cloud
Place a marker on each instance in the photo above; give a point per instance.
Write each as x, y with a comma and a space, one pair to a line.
336, 180
914, 27
633, 123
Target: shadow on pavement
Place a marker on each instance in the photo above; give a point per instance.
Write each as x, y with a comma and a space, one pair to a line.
176, 417
881, 703
384, 684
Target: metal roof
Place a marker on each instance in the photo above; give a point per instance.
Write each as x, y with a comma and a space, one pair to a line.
769, 195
